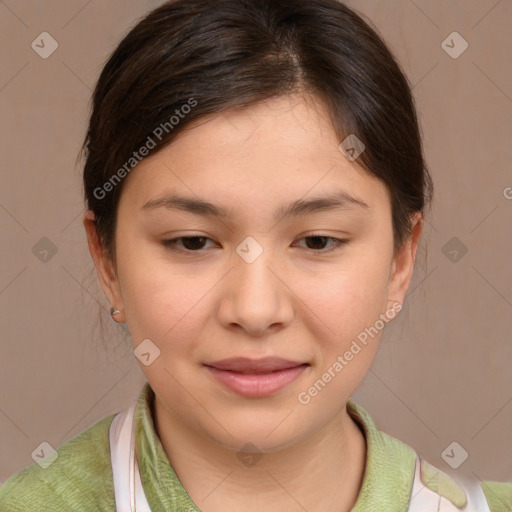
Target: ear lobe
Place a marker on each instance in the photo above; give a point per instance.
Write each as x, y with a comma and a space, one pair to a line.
104, 266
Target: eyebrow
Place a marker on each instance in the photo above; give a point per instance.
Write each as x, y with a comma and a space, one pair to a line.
333, 201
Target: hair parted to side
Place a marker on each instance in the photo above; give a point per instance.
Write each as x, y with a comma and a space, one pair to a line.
189, 59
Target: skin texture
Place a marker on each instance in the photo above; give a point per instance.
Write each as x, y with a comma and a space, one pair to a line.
294, 301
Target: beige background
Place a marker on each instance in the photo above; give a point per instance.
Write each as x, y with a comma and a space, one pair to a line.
443, 371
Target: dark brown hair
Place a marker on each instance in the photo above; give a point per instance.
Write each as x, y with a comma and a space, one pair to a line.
191, 58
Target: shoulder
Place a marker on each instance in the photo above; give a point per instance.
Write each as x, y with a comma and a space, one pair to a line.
414, 482
459, 492
79, 478
499, 495
449, 490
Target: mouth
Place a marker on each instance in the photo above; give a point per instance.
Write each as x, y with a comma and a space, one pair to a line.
254, 378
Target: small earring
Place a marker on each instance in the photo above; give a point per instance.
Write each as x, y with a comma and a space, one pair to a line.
114, 311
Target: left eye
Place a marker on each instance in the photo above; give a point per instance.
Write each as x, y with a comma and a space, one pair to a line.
196, 243
321, 240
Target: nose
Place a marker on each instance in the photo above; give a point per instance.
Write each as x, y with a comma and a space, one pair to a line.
255, 295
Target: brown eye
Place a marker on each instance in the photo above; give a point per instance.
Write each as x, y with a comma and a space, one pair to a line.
317, 243
189, 243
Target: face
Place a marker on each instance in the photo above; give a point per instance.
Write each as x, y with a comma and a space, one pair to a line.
281, 263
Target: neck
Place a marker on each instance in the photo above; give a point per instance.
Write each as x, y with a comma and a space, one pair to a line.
322, 472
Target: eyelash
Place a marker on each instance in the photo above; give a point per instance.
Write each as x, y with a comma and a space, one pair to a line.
171, 244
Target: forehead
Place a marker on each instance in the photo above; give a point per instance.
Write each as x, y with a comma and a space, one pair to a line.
293, 125
284, 148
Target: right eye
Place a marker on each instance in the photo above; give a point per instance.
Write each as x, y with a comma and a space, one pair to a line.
190, 243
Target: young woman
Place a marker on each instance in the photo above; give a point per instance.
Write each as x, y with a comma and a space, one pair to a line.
256, 189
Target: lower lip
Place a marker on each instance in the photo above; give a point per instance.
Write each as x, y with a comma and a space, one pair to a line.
257, 385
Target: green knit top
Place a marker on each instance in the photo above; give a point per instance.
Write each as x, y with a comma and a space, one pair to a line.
80, 478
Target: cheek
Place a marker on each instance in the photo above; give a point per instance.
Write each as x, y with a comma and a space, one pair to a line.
344, 315
342, 303
169, 304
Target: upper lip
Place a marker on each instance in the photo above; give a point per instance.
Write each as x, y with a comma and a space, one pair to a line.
248, 365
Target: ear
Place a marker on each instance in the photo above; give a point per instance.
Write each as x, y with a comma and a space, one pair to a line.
403, 262
104, 266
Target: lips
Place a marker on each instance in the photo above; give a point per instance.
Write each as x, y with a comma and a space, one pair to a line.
254, 366
256, 378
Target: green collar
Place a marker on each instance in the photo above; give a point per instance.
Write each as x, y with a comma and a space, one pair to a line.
387, 481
